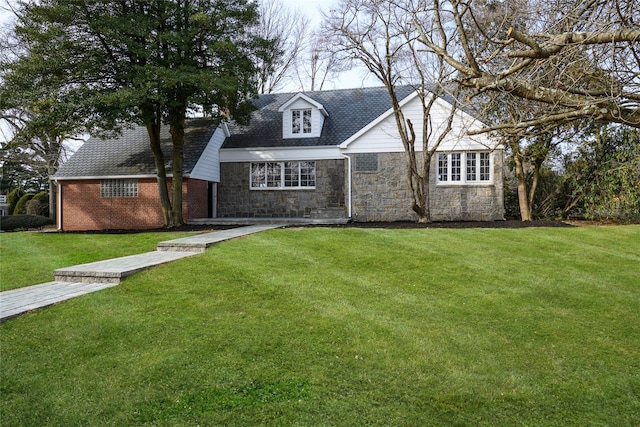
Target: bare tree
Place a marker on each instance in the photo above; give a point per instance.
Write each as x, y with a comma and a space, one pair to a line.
288, 30
579, 58
320, 64
379, 35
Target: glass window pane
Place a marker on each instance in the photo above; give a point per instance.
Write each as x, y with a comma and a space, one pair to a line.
292, 174
258, 175
443, 173
295, 121
471, 166
306, 121
274, 175
485, 169
456, 167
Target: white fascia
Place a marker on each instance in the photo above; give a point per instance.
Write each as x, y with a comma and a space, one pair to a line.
301, 95
239, 155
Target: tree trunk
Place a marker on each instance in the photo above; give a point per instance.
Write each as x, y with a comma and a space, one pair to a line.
153, 128
523, 195
176, 128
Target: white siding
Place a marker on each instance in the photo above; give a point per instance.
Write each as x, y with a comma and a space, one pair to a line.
208, 166
384, 137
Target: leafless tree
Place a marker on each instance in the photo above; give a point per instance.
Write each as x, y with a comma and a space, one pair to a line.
320, 63
379, 35
579, 58
288, 28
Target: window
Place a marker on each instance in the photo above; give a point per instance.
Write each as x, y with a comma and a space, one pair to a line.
464, 167
301, 121
119, 188
366, 162
283, 175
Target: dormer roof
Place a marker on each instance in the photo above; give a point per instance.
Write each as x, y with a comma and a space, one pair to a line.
302, 96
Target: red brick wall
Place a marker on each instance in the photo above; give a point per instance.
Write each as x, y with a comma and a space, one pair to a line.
84, 209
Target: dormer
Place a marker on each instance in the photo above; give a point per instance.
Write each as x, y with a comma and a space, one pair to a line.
302, 117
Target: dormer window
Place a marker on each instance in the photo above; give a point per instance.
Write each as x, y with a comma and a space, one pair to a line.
302, 117
301, 121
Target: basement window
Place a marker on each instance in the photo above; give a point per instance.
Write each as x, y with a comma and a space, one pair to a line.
119, 188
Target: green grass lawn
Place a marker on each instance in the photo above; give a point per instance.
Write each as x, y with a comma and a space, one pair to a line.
29, 258
474, 327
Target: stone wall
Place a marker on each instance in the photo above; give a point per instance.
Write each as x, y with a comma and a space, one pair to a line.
383, 195
237, 200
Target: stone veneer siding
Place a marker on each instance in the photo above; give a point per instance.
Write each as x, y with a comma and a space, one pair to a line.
384, 196
237, 200
84, 209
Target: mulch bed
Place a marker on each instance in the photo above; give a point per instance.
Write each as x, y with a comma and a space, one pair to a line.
388, 225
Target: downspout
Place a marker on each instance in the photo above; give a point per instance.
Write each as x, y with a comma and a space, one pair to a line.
59, 205
348, 184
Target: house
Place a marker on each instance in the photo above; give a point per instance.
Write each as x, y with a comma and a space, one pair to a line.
325, 154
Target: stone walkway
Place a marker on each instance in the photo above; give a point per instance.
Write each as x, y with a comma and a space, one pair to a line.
82, 279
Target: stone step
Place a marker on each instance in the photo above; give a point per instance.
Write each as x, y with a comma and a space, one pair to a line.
114, 270
201, 242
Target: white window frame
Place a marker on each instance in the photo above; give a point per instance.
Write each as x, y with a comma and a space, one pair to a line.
464, 168
294, 175
112, 188
301, 121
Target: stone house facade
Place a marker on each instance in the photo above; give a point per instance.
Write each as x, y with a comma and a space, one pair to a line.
326, 154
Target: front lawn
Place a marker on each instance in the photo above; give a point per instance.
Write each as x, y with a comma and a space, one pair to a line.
29, 258
474, 327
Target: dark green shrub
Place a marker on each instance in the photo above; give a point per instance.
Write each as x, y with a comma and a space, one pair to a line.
23, 222
39, 205
19, 209
13, 197
42, 197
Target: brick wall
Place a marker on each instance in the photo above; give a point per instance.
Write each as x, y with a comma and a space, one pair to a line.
236, 200
84, 209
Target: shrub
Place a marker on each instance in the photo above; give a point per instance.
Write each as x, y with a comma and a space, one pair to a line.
19, 209
39, 205
23, 222
13, 197
36, 207
42, 197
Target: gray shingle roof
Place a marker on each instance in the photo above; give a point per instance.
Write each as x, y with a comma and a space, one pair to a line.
349, 111
130, 155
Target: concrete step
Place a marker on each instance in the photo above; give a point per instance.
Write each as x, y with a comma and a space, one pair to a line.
18, 301
114, 270
201, 242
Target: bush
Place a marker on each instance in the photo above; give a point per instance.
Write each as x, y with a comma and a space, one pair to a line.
19, 209
42, 197
23, 222
13, 197
39, 205
35, 207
